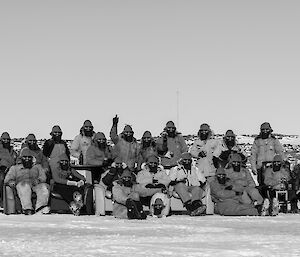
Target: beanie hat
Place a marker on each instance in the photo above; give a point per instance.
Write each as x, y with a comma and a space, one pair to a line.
56, 128
235, 158
170, 124
277, 158
26, 152
265, 125
30, 137
147, 134
220, 171
5, 135
127, 173
99, 135
204, 126
63, 157
152, 158
127, 128
87, 123
158, 201
229, 133
186, 156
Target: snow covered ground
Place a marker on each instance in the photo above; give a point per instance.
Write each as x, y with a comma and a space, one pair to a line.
178, 235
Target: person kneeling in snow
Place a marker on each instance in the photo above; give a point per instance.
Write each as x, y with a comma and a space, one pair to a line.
241, 181
28, 178
126, 198
154, 181
227, 201
188, 181
69, 184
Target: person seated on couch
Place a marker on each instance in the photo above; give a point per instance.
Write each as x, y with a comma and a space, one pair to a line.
69, 184
27, 178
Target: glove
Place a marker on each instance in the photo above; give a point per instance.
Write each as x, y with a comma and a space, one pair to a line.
115, 120
35, 182
107, 162
228, 187
80, 183
71, 183
162, 186
150, 186
164, 135
202, 154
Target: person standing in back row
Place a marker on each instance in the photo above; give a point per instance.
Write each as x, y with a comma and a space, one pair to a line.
82, 142
53, 148
203, 149
264, 148
126, 146
175, 145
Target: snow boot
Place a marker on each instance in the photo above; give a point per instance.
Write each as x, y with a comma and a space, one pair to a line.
28, 212
78, 198
43, 210
265, 207
135, 210
198, 209
274, 207
188, 206
75, 208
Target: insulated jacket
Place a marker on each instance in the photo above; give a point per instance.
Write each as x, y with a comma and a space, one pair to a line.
127, 151
175, 147
264, 150
62, 176
49, 145
228, 203
19, 174
96, 156
7, 157
205, 164
191, 177
240, 180
80, 145
277, 180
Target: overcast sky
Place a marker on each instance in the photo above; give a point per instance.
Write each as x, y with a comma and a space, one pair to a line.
231, 64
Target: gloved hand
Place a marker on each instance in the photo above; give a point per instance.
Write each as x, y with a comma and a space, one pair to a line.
160, 185
150, 186
115, 120
12, 183
202, 154
228, 187
35, 181
80, 183
164, 135
3, 168
71, 183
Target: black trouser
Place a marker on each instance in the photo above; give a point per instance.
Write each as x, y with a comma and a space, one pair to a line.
96, 173
66, 191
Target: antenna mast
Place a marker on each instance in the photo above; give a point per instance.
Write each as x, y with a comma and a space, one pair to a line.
177, 105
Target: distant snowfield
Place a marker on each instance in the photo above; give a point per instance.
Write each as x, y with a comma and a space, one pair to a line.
178, 235
292, 140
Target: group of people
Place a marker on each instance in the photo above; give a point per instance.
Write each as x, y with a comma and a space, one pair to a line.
150, 172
